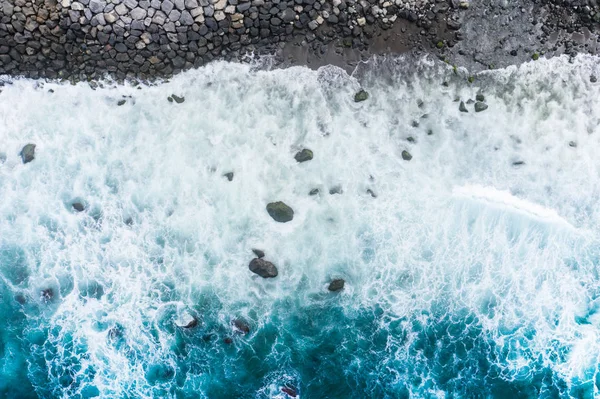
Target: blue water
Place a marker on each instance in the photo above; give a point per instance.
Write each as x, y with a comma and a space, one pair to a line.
466, 277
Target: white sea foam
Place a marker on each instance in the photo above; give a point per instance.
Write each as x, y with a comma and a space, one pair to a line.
162, 165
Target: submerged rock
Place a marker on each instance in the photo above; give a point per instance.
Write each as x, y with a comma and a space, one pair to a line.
304, 155
289, 391
370, 192
314, 191
258, 252
462, 107
406, 155
192, 323
479, 106
28, 153
241, 326
46, 295
228, 340
78, 206
263, 268
229, 176
361, 95
280, 212
336, 284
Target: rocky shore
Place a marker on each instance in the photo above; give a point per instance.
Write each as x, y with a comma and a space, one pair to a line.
145, 39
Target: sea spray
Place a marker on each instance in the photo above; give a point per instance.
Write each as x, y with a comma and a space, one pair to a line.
443, 297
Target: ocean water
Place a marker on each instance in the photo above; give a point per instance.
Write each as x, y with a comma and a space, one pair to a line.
473, 273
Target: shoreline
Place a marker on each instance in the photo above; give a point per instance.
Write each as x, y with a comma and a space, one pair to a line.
147, 40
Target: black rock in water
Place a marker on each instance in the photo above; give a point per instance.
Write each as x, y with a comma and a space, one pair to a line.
263, 268
289, 391
369, 191
241, 326
28, 153
259, 253
229, 176
193, 323
462, 107
406, 155
361, 95
280, 212
78, 206
178, 99
314, 191
479, 97
479, 106
120, 102
336, 190
336, 284
304, 155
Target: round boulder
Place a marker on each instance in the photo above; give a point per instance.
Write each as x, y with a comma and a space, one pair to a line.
280, 212
336, 284
304, 155
263, 268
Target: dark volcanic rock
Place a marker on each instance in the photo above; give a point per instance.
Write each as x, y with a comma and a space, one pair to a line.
241, 326
280, 212
336, 284
406, 155
78, 206
178, 99
263, 268
229, 176
28, 153
360, 96
479, 106
304, 155
258, 252
314, 191
289, 391
462, 107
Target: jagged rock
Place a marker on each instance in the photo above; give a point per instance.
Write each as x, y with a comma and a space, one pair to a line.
229, 176
336, 284
314, 191
241, 326
28, 153
263, 268
280, 212
304, 155
479, 106
361, 95
480, 97
258, 252
462, 107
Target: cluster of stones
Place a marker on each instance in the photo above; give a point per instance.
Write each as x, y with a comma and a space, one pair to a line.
85, 39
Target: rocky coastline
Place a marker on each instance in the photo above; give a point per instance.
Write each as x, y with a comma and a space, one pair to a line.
146, 39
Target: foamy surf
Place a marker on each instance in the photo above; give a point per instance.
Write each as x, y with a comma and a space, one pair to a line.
137, 296
506, 202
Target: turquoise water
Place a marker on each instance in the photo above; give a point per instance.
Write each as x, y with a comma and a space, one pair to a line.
472, 274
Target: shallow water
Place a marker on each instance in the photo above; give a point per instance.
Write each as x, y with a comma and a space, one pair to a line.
473, 273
